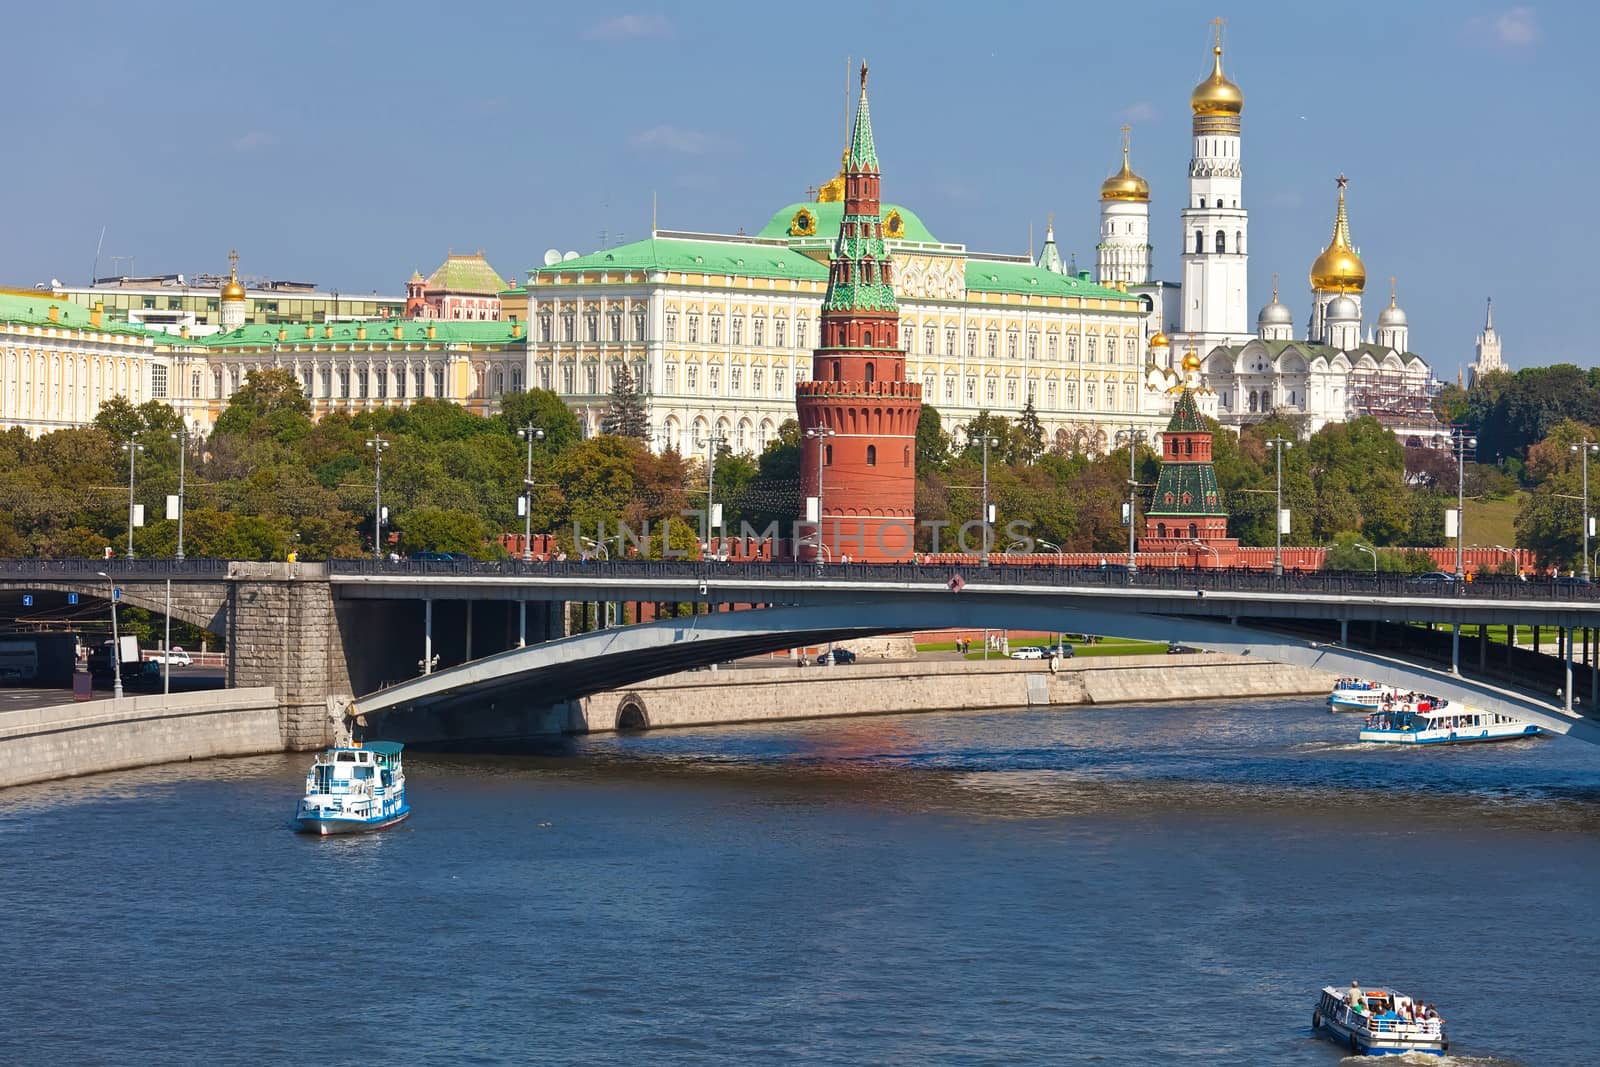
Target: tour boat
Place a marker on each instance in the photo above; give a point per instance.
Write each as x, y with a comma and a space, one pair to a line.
1384, 1022
352, 789
1353, 694
1426, 720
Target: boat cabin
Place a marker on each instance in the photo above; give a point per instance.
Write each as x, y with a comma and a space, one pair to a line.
343, 769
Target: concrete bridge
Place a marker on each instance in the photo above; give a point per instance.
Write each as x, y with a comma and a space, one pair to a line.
321, 633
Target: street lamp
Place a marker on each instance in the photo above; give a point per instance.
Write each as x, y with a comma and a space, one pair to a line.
820, 434
1459, 443
1133, 435
116, 667
182, 437
1278, 444
132, 448
378, 446
1209, 549
988, 443
1363, 548
529, 433
1585, 450
712, 441
1047, 544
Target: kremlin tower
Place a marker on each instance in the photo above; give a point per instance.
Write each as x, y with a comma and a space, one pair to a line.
858, 409
1186, 513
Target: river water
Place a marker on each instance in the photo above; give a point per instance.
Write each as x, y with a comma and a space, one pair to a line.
1117, 885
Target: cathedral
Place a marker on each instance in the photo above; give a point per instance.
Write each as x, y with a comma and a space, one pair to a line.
1198, 329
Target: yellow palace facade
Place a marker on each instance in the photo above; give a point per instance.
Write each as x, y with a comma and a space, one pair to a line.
717, 329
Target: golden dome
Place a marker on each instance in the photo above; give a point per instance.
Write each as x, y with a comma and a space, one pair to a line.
1216, 95
232, 290
1125, 184
833, 190
1339, 267
1191, 361
1159, 340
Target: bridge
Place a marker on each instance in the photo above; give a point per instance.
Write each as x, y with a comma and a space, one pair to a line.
503, 632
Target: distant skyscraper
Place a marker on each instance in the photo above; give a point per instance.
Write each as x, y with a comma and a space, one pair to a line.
1488, 360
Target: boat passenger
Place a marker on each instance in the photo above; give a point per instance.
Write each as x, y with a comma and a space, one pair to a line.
1353, 996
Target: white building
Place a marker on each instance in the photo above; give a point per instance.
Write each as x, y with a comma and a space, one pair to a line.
1488, 359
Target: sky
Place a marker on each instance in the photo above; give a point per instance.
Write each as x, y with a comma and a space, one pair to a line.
348, 144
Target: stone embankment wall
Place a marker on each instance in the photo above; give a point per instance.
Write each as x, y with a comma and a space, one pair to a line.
699, 698
67, 740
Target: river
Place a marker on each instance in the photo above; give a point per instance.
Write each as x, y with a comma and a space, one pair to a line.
1117, 885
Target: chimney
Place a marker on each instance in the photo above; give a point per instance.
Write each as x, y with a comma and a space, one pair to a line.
433, 331
327, 330
309, 331
54, 313
183, 331
283, 334
516, 327
361, 332
97, 314
399, 332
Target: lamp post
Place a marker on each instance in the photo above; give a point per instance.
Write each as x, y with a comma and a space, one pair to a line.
1278, 444
1048, 544
529, 433
379, 446
1363, 548
712, 441
1133, 435
132, 447
182, 437
1209, 549
116, 667
1459, 443
1585, 450
988, 443
820, 434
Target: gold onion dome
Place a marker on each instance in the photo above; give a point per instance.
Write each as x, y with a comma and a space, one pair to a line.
1339, 268
1191, 361
1216, 95
1159, 340
1125, 184
232, 290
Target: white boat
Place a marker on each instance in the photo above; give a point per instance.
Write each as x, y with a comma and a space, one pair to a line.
352, 789
1384, 1022
1353, 694
1428, 720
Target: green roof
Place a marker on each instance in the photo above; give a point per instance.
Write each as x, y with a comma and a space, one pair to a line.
1050, 255
31, 310
446, 331
709, 257
383, 748
466, 274
991, 276
863, 154
829, 215
1185, 416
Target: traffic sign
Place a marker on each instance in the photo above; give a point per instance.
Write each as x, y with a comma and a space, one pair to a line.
116, 593
27, 600
72, 598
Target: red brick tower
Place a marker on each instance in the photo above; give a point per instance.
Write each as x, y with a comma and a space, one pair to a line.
858, 396
1186, 512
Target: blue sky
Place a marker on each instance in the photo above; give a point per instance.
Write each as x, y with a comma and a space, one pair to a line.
349, 143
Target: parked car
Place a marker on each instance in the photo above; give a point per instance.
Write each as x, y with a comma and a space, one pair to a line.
177, 657
1432, 579
1028, 652
1175, 649
1573, 581
440, 557
836, 656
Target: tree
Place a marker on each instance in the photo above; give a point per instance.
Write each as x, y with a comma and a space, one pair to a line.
1029, 434
624, 414
270, 401
933, 444
443, 530
545, 410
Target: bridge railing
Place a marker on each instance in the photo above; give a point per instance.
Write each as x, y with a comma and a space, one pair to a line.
88, 569
975, 576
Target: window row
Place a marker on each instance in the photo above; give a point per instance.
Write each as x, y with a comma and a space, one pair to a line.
1102, 396
736, 332
591, 326
1129, 353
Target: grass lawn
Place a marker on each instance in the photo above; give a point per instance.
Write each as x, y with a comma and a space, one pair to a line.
1492, 522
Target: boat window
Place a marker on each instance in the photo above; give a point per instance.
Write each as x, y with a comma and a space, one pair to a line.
346, 757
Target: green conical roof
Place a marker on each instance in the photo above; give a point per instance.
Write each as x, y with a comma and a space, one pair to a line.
863, 155
1185, 416
1049, 255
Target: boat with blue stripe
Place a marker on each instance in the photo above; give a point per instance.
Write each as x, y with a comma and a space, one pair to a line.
354, 789
1425, 720
1378, 1022
1356, 694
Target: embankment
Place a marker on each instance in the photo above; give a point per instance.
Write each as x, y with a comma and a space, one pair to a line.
67, 740
767, 694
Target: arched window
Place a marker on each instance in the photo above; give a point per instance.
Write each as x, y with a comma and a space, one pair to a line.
866, 339
1222, 241
872, 455
1188, 446
827, 455
1219, 201
1161, 529
1199, 240
1238, 241
1194, 531
835, 370
871, 374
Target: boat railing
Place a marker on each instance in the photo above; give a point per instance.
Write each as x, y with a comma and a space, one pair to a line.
1398, 1027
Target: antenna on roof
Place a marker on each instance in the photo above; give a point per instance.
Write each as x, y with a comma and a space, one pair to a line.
97, 246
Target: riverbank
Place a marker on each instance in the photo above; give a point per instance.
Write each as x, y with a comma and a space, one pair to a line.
68, 740
774, 694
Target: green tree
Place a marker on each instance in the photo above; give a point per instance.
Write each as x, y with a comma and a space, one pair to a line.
1029, 431
545, 410
624, 414
431, 529
933, 444
270, 402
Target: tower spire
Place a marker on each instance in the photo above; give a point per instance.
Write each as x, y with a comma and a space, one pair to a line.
863, 154
1488, 318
